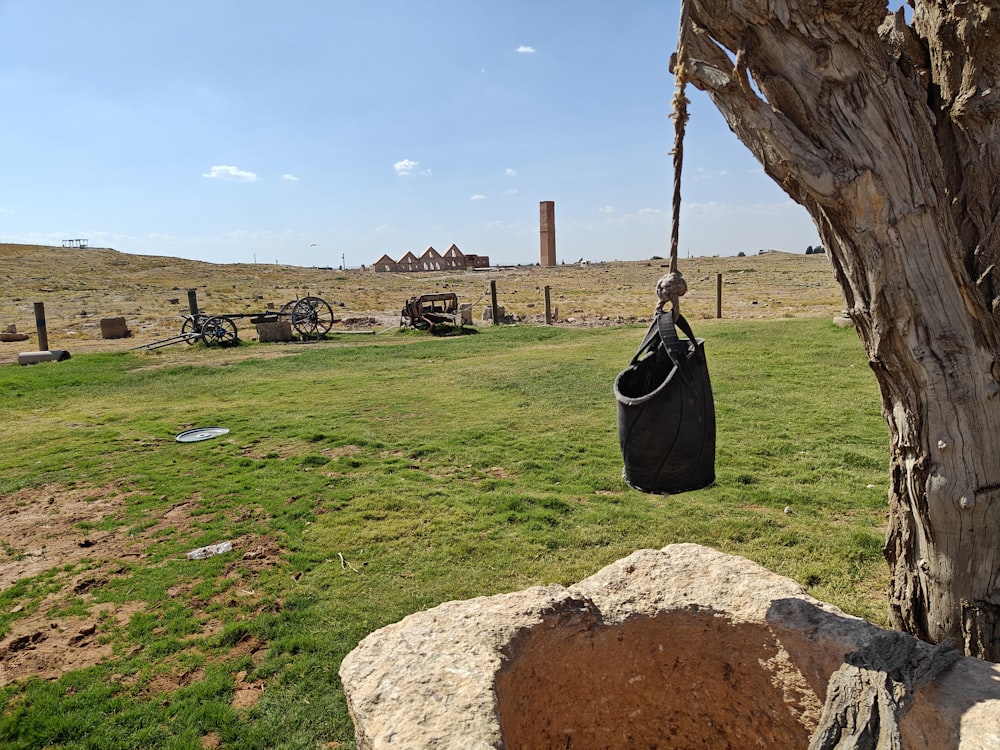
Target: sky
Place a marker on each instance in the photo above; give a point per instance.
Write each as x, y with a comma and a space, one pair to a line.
327, 133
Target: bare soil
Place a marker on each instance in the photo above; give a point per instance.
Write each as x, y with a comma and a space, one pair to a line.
41, 534
653, 682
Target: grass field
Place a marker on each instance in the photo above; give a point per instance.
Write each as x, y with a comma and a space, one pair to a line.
367, 478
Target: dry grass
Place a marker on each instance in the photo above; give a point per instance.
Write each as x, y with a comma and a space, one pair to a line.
79, 287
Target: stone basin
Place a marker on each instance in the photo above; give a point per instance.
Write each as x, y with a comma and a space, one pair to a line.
683, 647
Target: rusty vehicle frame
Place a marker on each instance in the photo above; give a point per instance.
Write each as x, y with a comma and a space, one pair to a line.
427, 310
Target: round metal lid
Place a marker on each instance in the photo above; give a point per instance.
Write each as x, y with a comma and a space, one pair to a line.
201, 433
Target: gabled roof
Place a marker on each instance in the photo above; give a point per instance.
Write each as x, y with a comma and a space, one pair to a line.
430, 253
454, 252
385, 260
408, 259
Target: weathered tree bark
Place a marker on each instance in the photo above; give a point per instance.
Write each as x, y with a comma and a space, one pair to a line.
873, 690
889, 134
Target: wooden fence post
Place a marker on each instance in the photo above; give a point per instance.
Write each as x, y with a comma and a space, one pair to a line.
718, 295
548, 307
493, 297
43, 331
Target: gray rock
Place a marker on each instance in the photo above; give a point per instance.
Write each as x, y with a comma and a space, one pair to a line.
680, 647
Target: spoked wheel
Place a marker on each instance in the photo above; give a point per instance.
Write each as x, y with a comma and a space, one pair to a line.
219, 331
192, 325
312, 317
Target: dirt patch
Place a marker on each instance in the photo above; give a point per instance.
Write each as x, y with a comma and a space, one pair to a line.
261, 553
367, 322
246, 693
342, 451
45, 529
47, 647
260, 450
41, 529
50, 528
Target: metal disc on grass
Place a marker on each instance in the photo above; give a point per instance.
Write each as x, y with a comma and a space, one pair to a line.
201, 433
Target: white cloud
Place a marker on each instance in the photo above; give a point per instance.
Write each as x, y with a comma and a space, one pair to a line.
646, 211
607, 209
290, 177
524, 49
705, 174
713, 209
477, 197
235, 174
510, 172
405, 167
512, 191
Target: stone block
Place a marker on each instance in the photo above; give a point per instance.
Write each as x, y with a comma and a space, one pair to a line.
488, 313
114, 328
277, 330
10, 334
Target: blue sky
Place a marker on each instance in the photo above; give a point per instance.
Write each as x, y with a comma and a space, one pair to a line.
317, 132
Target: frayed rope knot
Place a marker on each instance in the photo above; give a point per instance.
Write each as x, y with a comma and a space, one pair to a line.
670, 286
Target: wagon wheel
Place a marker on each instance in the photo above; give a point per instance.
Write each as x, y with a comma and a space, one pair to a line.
312, 317
219, 331
286, 309
192, 324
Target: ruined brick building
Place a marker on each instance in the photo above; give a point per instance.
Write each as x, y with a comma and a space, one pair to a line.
431, 260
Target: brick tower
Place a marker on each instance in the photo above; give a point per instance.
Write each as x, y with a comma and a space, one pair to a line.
547, 223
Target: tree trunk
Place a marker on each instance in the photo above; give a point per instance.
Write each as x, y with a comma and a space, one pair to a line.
889, 135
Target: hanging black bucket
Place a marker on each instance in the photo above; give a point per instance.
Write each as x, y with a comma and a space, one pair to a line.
666, 415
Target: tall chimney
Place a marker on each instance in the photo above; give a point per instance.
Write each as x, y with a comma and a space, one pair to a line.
547, 223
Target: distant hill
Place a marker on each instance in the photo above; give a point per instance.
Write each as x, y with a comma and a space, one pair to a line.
79, 286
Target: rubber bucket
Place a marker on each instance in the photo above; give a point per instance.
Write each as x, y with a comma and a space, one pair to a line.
666, 413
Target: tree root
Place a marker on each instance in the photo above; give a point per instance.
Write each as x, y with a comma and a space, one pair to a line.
868, 696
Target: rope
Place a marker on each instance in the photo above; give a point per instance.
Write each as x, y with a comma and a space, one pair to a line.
672, 286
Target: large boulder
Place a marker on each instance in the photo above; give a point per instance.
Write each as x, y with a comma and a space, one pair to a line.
679, 647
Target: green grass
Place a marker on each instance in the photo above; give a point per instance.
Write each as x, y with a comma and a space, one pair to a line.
396, 473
